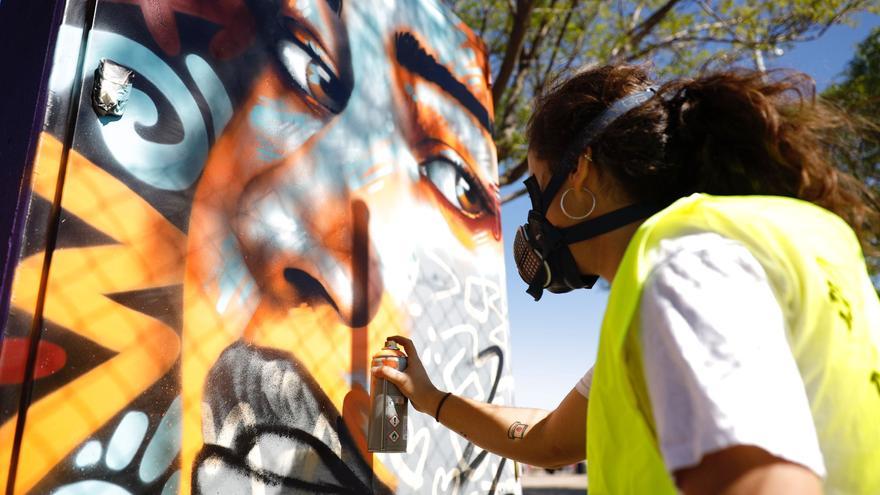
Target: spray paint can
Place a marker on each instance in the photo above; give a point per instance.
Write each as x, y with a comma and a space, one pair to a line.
386, 429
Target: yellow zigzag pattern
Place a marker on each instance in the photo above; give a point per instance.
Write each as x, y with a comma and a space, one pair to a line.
150, 254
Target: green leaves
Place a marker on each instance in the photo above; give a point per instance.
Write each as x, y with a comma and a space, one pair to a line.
858, 95
531, 40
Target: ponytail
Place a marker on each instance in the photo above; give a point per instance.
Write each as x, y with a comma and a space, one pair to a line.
737, 132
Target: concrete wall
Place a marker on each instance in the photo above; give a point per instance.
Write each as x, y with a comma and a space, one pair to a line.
202, 280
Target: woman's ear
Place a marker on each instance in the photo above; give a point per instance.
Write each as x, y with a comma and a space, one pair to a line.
582, 171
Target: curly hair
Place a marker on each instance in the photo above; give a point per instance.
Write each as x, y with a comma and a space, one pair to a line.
737, 132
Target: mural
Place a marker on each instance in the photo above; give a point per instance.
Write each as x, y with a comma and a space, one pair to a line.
204, 278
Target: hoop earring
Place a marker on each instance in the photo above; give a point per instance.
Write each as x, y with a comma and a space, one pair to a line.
574, 217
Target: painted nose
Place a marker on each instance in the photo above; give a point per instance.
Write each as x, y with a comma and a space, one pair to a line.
364, 300
305, 245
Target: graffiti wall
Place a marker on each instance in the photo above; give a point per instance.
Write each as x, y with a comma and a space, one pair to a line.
203, 278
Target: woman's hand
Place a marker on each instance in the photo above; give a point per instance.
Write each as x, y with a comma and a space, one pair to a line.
413, 381
545, 439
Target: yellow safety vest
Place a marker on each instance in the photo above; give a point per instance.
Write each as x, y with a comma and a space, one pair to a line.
817, 272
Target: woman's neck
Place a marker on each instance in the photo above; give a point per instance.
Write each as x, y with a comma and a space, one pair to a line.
610, 248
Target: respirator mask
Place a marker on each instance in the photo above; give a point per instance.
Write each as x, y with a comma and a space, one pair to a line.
540, 249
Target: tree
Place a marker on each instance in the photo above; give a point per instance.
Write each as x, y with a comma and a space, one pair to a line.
858, 95
531, 40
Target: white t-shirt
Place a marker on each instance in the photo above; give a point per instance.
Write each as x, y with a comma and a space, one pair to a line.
717, 363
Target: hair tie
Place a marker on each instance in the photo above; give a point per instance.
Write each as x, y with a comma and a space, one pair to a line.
437, 414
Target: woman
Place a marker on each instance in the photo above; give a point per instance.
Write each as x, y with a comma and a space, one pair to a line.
740, 351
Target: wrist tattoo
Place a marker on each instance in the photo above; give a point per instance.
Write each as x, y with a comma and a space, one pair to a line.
517, 431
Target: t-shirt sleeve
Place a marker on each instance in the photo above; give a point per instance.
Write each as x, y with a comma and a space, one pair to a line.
585, 383
717, 363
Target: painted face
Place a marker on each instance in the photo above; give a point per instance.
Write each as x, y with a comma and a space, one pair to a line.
352, 196
349, 136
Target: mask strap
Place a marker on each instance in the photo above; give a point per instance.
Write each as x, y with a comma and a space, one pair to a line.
536, 289
608, 222
541, 200
534, 191
553, 188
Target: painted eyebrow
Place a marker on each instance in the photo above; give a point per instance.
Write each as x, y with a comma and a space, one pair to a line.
413, 57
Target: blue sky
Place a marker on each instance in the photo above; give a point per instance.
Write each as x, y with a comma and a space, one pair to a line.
553, 342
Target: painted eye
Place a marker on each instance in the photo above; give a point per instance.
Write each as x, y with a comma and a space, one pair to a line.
457, 186
311, 69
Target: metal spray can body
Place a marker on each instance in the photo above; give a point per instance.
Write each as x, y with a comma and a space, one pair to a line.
386, 429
